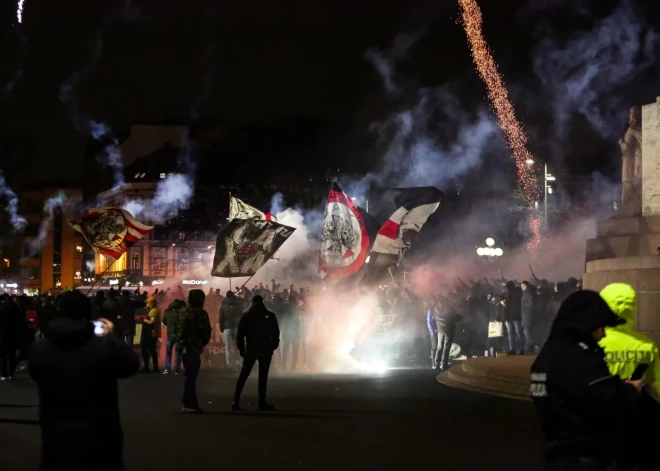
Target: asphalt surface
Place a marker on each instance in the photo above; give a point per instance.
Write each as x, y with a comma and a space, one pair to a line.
400, 420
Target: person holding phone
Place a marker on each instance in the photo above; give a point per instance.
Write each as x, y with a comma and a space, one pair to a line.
582, 407
76, 372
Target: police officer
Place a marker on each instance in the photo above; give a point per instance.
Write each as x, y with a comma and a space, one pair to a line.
626, 349
581, 406
257, 338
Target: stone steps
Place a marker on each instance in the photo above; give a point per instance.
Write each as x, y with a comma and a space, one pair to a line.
506, 377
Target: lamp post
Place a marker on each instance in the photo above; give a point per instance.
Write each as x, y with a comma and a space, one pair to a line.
547, 189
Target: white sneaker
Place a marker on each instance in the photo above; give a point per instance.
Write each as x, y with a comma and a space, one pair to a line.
2, 378
166, 372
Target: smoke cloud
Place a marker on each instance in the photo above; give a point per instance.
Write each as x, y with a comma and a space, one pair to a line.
585, 72
60, 201
173, 194
17, 221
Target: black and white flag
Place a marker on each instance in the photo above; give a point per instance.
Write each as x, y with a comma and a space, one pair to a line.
244, 246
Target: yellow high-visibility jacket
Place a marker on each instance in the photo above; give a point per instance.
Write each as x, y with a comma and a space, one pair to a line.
624, 347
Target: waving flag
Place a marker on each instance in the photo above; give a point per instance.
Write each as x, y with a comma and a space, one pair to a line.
397, 234
244, 246
344, 237
111, 231
238, 209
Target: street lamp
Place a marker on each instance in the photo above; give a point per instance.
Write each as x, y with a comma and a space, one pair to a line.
490, 251
547, 189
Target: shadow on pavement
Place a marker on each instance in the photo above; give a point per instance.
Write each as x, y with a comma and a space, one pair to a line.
18, 405
277, 415
19, 421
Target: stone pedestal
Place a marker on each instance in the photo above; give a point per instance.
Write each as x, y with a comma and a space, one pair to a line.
624, 249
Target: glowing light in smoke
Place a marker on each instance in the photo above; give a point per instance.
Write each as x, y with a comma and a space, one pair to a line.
19, 11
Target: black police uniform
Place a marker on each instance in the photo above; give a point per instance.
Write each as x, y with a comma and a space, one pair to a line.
582, 407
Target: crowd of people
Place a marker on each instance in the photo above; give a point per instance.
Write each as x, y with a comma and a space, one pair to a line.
463, 313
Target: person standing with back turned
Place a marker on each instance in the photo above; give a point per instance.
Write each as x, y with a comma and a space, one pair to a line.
76, 373
257, 338
193, 334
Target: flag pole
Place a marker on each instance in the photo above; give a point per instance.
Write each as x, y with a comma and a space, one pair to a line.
100, 277
243, 285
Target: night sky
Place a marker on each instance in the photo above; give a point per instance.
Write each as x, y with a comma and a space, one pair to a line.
267, 58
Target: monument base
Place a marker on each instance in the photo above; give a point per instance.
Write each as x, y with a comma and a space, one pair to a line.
625, 251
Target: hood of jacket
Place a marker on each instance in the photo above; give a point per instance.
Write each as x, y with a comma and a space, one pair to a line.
622, 300
152, 303
68, 332
580, 314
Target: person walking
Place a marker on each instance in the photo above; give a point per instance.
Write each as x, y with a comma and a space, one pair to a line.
512, 317
193, 334
433, 330
446, 318
151, 331
583, 409
527, 320
127, 317
171, 321
257, 338
230, 315
76, 373
11, 331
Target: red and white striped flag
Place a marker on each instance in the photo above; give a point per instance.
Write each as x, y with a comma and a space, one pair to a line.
111, 231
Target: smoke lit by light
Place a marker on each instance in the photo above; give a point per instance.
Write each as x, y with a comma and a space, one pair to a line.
19, 11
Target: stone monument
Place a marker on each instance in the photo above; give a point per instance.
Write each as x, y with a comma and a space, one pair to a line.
631, 168
624, 249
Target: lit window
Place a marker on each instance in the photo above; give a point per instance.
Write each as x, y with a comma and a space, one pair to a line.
162, 175
143, 175
137, 175
171, 174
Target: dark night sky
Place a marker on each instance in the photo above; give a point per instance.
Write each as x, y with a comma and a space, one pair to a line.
266, 57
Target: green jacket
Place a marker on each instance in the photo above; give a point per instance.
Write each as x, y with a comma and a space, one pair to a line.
171, 316
193, 329
625, 348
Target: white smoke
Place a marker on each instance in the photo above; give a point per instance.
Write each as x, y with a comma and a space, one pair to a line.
17, 221
173, 194
60, 201
584, 72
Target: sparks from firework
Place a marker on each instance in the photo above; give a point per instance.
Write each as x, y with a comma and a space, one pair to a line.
19, 11
499, 97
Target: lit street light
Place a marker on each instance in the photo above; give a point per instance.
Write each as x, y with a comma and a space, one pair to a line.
490, 251
547, 189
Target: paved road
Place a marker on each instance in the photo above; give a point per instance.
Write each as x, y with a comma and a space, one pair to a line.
401, 420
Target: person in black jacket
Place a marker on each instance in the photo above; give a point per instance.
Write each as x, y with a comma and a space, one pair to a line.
257, 338
583, 409
446, 318
76, 373
512, 316
127, 317
230, 315
12, 321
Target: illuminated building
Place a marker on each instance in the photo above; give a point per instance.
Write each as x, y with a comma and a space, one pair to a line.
50, 250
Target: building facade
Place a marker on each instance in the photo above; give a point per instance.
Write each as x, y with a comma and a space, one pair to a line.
50, 255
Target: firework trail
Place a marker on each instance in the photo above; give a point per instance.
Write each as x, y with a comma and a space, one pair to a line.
506, 116
19, 11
